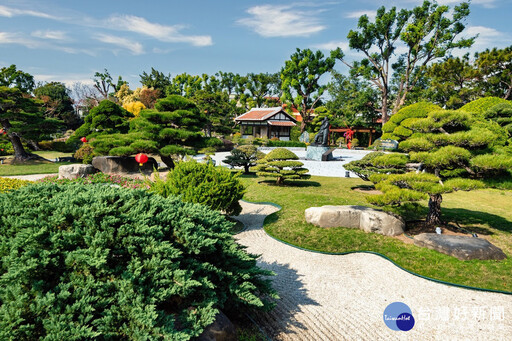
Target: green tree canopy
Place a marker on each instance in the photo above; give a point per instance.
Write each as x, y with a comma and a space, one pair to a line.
454, 150
172, 129
301, 81
58, 103
282, 165
428, 32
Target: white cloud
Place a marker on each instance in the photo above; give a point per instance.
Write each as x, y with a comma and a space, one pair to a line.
281, 21
332, 45
48, 34
12, 12
31, 43
356, 14
163, 33
68, 79
135, 47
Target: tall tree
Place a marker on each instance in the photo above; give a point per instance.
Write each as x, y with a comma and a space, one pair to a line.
262, 86
352, 100
156, 80
301, 80
495, 71
217, 109
58, 103
185, 85
12, 77
427, 32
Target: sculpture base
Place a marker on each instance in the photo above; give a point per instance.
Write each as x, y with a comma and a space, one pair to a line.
319, 153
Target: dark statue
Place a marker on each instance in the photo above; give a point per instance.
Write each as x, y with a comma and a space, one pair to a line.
322, 138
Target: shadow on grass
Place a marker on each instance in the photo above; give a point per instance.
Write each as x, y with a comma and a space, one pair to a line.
470, 220
293, 295
291, 183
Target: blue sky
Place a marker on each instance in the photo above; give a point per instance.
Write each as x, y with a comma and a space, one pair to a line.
63, 40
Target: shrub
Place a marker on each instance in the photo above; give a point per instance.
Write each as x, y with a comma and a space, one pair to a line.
244, 156
99, 178
481, 105
377, 162
280, 143
59, 146
398, 126
282, 165
201, 183
85, 153
110, 263
7, 184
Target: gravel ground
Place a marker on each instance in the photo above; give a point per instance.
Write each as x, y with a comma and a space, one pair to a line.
330, 168
329, 297
32, 177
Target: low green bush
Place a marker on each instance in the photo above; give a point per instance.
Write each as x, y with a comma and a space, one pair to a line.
85, 153
7, 184
59, 146
200, 183
244, 156
280, 143
99, 178
116, 264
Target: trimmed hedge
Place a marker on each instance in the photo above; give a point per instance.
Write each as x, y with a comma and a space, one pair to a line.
116, 264
481, 105
201, 183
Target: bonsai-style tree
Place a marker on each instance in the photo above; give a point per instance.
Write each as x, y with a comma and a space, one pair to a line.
172, 128
281, 164
106, 118
244, 156
397, 128
454, 150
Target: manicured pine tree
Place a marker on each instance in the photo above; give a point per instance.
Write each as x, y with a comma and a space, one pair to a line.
455, 150
281, 164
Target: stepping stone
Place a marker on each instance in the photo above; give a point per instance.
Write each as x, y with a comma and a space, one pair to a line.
461, 247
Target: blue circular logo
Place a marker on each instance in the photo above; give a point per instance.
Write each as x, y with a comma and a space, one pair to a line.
398, 316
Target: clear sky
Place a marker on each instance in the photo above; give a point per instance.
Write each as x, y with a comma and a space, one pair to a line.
69, 40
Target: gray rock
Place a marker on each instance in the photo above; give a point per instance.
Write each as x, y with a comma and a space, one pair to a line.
317, 153
461, 247
222, 329
76, 171
381, 222
365, 218
123, 164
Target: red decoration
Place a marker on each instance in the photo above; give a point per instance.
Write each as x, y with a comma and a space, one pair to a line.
83, 139
3, 131
141, 158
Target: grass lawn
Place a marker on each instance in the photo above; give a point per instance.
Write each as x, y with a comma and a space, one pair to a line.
35, 167
486, 212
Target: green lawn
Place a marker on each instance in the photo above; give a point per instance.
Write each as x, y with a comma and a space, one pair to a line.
485, 211
35, 167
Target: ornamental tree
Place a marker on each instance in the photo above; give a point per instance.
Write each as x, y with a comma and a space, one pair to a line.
448, 151
244, 156
23, 120
300, 78
281, 164
172, 129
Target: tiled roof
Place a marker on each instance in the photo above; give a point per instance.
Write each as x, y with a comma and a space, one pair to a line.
282, 123
258, 114
262, 114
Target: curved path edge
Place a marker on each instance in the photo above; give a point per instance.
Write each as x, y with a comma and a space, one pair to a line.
327, 297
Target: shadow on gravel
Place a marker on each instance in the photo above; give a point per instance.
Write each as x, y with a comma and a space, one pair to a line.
293, 295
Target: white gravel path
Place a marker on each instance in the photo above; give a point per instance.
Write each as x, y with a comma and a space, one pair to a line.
319, 168
333, 297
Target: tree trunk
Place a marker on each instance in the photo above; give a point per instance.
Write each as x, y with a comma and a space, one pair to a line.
302, 126
168, 161
384, 110
246, 168
20, 155
434, 209
280, 180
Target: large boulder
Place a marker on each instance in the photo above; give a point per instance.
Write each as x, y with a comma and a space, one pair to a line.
364, 218
76, 171
461, 247
123, 164
222, 329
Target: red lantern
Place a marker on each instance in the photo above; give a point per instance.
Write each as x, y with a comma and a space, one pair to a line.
83, 139
3, 131
141, 158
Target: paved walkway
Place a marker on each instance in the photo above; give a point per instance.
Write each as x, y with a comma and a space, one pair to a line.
328, 297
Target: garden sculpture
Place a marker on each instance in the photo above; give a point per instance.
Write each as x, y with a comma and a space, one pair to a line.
322, 137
